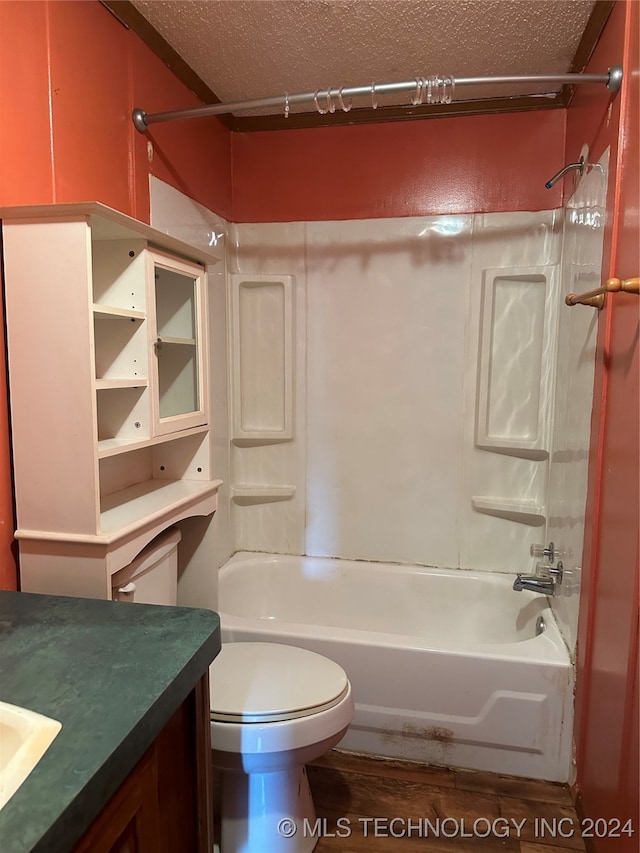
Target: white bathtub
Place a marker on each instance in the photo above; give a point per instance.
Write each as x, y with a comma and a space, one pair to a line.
446, 666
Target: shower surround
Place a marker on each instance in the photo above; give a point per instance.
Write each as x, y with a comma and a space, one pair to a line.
398, 396
429, 362
387, 331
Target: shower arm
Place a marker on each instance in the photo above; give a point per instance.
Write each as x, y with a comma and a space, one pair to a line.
612, 79
579, 166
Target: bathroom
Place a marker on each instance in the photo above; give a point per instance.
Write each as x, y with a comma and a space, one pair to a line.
381, 241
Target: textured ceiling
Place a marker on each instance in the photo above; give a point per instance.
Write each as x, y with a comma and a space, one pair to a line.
259, 48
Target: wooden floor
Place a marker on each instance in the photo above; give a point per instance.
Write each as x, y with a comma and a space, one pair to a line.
436, 810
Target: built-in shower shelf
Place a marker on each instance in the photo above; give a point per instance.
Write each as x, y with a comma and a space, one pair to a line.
522, 511
517, 345
256, 494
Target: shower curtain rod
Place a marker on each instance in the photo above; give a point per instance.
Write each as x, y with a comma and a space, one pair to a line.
334, 96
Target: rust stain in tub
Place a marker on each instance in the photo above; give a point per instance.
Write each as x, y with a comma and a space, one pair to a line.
443, 736
437, 733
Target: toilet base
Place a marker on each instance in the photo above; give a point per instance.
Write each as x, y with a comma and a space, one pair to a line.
267, 812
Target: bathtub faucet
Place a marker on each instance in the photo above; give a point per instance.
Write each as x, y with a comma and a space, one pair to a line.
546, 587
544, 581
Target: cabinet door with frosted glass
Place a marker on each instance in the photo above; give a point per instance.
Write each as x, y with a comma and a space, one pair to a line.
179, 342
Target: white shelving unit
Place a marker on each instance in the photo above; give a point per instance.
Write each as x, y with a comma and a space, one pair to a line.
108, 354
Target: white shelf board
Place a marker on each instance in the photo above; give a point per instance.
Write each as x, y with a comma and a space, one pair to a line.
522, 511
149, 501
249, 491
188, 342
114, 446
110, 312
107, 384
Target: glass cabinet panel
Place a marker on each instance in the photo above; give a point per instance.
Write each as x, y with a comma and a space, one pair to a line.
178, 294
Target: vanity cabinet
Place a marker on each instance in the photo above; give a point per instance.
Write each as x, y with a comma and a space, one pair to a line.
129, 823
164, 805
108, 354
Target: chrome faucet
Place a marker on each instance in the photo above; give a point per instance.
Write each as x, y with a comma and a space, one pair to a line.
545, 580
543, 585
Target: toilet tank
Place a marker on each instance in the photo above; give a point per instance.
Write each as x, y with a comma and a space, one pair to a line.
152, 577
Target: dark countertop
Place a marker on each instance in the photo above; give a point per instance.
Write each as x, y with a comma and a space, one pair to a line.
113, 674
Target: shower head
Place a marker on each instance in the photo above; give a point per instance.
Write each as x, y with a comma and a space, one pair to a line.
554, 180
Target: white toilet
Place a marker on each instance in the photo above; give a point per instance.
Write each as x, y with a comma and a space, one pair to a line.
273, 708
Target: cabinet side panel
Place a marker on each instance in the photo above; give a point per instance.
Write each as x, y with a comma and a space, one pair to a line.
51, 368
177, 751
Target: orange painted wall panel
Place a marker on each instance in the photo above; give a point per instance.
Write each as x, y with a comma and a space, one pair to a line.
26, 164
194, 156
65, 114
89, 104
594, 120
630, 771
409, 168
606, 698
70, 75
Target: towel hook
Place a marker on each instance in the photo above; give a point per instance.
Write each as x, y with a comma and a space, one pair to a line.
595, 298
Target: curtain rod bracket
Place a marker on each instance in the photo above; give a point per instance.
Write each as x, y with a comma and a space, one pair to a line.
615, 78
139, 119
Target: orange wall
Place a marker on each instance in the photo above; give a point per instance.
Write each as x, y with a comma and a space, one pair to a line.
66, 135
70, 75
410, 168
65, 114
606, 696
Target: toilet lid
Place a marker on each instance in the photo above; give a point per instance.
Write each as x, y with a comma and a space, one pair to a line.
267, 682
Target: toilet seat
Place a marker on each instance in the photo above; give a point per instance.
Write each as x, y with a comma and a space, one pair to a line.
270, 683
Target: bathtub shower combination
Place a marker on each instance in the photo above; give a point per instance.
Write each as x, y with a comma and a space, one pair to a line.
447, 667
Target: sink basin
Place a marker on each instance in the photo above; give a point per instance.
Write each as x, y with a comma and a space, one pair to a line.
24, 738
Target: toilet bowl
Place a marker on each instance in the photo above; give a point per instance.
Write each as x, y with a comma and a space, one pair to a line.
273, 708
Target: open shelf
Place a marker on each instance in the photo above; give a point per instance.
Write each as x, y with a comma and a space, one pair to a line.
187, 342
121, 347
107, 384
122, 409
149, 501
258, 493
119, 274
111, 312
523, 511
115, 446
